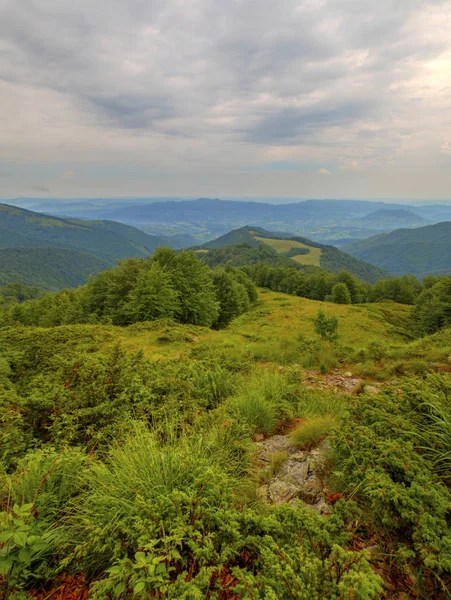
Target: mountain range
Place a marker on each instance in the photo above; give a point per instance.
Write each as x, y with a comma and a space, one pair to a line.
326, 221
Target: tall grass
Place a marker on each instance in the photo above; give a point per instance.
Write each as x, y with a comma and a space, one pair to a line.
316, 402
310, 433
267, 400
155, 483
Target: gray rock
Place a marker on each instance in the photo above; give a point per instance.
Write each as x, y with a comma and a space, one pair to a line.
371, 390
298, 479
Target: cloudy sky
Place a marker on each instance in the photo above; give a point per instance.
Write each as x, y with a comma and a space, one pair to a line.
294, 98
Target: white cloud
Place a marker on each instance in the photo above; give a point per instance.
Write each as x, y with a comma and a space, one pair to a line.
195, 92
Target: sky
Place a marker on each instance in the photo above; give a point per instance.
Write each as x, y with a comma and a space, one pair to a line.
289, 98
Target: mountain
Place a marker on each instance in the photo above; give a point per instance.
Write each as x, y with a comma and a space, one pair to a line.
48, 268
421, 251
325, 221
105, 239
301, 251
394, 219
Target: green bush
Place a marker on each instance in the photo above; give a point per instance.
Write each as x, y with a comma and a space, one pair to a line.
391, 450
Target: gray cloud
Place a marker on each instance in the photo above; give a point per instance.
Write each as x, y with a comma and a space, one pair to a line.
224, 86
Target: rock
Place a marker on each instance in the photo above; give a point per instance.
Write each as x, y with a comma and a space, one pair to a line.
298, 479
348, 374
371, 390
279, 491
258, 437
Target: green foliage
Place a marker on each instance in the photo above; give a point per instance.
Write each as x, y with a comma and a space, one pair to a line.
24, 552
390, 461
340, 294
326, 327
403, 289
312, 431
433, 307
174, 285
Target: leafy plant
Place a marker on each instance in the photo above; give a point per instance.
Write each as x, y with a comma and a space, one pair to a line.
326, 327
23, 551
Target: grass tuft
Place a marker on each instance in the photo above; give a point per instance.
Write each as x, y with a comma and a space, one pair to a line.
310, 433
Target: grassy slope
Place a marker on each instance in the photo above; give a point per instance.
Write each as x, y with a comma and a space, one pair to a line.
280, 331
270, 344
312, 258
270, 332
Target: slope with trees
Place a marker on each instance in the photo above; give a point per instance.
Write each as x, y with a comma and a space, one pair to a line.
421, 251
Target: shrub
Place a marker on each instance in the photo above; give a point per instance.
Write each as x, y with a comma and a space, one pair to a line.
326, 327
388, 454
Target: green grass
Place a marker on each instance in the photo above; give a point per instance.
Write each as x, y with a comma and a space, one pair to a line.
282, 246
310, 433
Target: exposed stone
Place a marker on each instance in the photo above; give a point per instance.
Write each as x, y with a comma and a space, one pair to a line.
371, 390
348, 374
298, 479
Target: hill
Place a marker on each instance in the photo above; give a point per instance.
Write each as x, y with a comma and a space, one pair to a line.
384, 219
105, 239
48, 268
421, 251
300, 251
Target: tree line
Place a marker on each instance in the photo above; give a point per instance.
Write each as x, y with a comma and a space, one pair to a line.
169, 284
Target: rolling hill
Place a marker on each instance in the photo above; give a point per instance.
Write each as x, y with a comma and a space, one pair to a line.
421, 251
48, 268
105, 239
53, 253
300, 251
394, 219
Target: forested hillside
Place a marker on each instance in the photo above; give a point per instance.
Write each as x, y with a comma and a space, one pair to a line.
300, 251
106, 240
48, 268
422, 251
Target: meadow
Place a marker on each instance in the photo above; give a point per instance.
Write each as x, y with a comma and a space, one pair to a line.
129, 456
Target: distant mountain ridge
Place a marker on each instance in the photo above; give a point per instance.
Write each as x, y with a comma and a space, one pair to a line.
326, 221
421, 251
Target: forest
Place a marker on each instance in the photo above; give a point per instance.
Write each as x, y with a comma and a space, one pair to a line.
155, 421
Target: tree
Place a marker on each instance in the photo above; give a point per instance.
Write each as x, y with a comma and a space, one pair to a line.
326, 327
341, 294
153, 296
